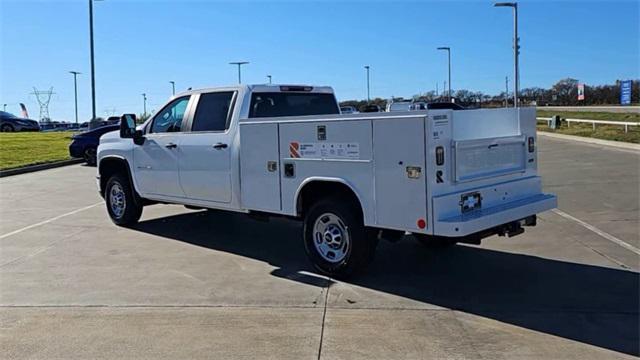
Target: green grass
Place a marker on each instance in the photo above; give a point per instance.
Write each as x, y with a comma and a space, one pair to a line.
605, 132
591, 115
30, 148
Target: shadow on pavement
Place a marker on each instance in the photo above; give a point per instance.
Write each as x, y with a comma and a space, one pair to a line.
590, 304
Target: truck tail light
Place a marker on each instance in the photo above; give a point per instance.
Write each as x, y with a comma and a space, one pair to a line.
532, 144
439, 156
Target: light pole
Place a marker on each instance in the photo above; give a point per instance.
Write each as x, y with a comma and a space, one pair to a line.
269, 77
506, 91
173, 87
93, 70
239, 63
144, 99
4, 107
516, 48
75, 90
368, 87
448, 49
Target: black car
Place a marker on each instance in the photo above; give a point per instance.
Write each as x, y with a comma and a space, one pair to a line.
84, 145
10, 123
444, 106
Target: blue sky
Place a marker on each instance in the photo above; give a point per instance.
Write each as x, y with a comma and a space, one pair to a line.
142, 45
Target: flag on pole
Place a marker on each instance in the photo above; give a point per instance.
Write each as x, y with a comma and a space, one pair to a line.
25, 114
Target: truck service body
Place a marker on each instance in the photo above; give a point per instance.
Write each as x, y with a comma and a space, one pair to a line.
443, 175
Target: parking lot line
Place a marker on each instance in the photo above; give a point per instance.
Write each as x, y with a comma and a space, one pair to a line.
605, 235
50, 220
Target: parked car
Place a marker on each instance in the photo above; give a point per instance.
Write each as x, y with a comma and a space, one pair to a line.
403, 105
444, 106
10, 122
348, 110
84, 145
441, 175
370, 108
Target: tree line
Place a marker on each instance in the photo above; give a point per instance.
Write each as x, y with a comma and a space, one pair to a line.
562, 93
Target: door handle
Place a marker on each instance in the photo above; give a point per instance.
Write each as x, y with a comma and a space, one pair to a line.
220, 146
171, 146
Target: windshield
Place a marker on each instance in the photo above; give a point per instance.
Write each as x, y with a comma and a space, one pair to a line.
400, 106
292, 104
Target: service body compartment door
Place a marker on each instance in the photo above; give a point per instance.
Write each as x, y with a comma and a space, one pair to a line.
400, 187
260, 167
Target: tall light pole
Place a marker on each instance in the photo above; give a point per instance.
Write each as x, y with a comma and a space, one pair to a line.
75, 90
4, 107
93, 70
239, 63
368, 84
506, 91
516, 49
173, 87
448, 49
144, 99
269, 77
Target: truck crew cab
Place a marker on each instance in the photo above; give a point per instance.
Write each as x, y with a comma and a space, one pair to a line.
445, 176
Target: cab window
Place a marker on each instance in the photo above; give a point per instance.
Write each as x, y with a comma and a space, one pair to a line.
213, 112
170, 118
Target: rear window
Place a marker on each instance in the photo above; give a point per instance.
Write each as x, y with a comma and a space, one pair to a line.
292, 104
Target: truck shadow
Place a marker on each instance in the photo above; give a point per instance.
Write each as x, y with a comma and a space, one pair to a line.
590, 304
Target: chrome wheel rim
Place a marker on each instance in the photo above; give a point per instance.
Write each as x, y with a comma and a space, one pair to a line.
117, 200
331, 238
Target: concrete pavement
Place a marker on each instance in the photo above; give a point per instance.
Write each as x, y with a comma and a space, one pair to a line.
209, 285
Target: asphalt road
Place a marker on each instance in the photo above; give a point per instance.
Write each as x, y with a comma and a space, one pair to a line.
208, 285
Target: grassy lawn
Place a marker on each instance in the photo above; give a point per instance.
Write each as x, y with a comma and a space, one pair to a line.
591, 115
606, 132
29, 148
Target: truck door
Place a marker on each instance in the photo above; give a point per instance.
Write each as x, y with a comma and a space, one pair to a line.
205, 150
156, 161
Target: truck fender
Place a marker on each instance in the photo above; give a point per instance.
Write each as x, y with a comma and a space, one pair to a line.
334, 180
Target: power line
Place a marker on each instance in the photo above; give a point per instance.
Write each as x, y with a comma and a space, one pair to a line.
43, 97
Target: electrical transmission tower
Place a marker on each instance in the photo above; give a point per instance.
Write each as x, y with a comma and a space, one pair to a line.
43, 98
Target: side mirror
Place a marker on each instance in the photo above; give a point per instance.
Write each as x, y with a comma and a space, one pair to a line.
128, 129
127, 125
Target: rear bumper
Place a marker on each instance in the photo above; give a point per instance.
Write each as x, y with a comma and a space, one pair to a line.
456, 225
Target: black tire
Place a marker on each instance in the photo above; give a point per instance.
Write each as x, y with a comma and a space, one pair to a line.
7, 128
435, 242
89, 155
132, 209
361, 246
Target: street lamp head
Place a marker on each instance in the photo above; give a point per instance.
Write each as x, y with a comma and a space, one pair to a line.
444, 48
75, 72
172, 82
509, 4
238, 62
367, 67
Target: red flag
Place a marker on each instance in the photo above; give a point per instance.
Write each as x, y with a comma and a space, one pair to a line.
25, 114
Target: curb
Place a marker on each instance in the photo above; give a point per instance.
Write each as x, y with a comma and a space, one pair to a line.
33, 168
616, 144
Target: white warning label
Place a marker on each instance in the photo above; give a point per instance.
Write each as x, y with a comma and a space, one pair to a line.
325, 150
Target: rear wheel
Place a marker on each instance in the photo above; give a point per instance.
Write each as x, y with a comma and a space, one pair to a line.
335, 238
89, 155
6, 128
121, 202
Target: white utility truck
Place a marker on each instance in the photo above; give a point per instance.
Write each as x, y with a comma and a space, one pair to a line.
445, 176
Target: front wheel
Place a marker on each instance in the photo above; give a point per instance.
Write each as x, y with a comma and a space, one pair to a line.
6, 128
89, 155
121, 203
335, 238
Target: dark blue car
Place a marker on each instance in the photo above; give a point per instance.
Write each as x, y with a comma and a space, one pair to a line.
84, 145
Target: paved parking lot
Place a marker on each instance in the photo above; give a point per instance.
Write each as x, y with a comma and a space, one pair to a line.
195, 284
